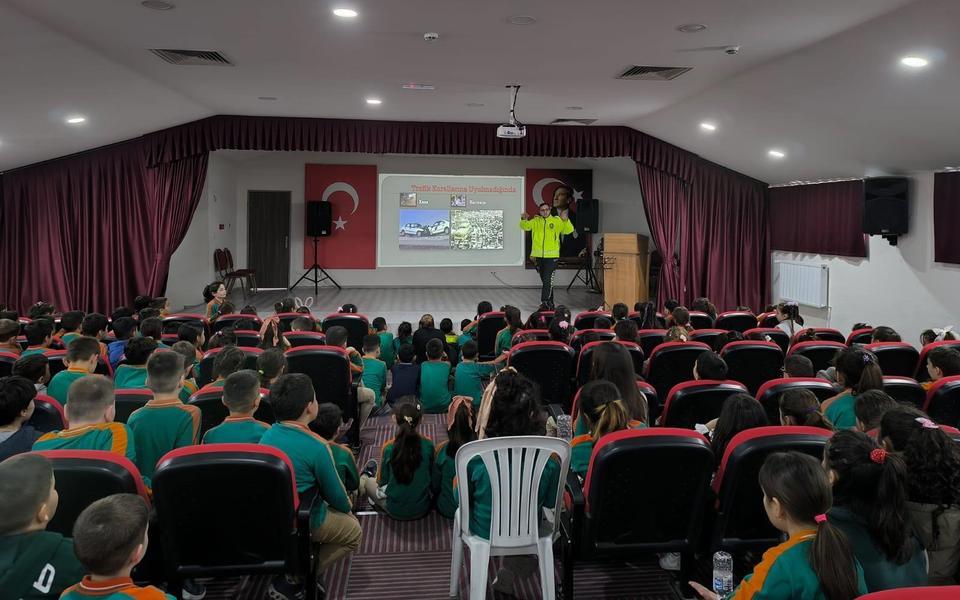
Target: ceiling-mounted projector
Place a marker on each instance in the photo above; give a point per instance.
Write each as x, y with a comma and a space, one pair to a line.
513, 129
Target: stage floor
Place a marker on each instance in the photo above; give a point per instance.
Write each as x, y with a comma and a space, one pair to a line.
397, 304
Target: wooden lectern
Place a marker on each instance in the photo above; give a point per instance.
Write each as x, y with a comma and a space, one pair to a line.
626, 264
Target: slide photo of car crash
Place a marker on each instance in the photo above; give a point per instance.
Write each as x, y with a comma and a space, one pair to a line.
424, 228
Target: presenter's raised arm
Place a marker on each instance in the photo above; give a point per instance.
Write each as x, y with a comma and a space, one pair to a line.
525, 223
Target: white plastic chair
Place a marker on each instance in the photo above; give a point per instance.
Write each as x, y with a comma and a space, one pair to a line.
514, 466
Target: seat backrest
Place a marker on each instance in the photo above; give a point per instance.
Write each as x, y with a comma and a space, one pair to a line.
550, 364
671, 363
229, 258
287, 318
305, 338
357, 326
127, 401
820, 353
48, 415
741, 520
700, 320
622, 514
708, 335
650, 339
950, 592
540, 319
328, 368
581, 337
205, 375
55, 360
84, 476
488, 325
905, 389
585, 357
771, 334
212, 411
753, 363
767, 319
247, 338
895, 358
226, 507
219, 262
860, 336
825, 334
736, 320
943, 401
530, 335
645, 389
693, 402
922, 374
172, 323
6, 363
515, 466
769, 393
587, 318
231, 319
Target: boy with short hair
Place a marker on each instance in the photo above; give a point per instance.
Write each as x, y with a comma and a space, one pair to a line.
405, 375
435, 379
124, 328
626, 330
869, 407
153, 328
188, 352
387, 352
81, 360
241, 396
469, 375
229, 360
95, 325
39, 334
110, 539
302, 324
164, 423
327, 424
16, 408
194, 335
797, 365
133, 374
70, 323
710, 366
9, 330
374, 375
36, 369
337, 336
34, 563
941, 362
331, 524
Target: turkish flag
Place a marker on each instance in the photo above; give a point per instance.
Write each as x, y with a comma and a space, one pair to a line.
540, 187
352, 192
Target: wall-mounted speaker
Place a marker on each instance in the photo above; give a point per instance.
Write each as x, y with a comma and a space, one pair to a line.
886, 206
319, 217
588, 214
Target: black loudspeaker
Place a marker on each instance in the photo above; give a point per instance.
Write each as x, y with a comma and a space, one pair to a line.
319, 216
588, 215
886, 205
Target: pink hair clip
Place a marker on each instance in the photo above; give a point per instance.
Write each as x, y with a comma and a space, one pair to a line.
821, 518
927, 423
563, 324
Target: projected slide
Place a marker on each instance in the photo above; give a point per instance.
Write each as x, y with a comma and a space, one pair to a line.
449, 220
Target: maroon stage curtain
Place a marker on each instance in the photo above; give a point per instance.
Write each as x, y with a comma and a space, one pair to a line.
946, 216
665, 203
725, 242
822, 218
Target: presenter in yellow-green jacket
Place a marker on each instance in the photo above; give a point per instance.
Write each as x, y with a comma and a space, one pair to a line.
546, 229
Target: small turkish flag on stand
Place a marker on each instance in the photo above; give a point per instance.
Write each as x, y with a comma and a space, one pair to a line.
352, 192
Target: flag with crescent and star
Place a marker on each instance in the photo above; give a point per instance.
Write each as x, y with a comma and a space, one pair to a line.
351, 191
541, 187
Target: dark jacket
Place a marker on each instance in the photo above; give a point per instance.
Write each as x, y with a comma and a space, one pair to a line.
420, 339
943, 550
18, 443
39, 564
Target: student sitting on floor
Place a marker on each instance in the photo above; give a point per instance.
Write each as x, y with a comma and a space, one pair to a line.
941, 362
801, 407
797, 365
124, 328
435, 379
133, 374
39, 335
332, 526
81, 360
405, 376
187, 353
460, 430
70, 323
34, 564
469, 375
403, 482
816, 561
869, 408
229, 360
603, 412
446, 328
153, 328
36, 369
165, 423
95, 325
857, 372
374, 375
388, 353
9, 330
869, 506
16, 408
328, 423
464, 336
271, 364
110, 539
241, 396
404, 337
337, 336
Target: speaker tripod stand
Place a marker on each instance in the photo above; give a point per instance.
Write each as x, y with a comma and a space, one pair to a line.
315, 271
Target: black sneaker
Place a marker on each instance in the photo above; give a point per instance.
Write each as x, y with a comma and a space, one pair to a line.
193, 590
370, 469
286, 587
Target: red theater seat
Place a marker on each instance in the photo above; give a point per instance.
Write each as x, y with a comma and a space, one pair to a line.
357, 326
540, 319
48, 415
247, 338
329, 369
700, 320
6, 363
827, 334
943, 401
951, 592
212, 410
287, 318
707, 336
586, 319
753, 363
650, 339
767, 320
580, 337
585, 358
305, 338
551, 365
127, 401
820, 353
649, 394
860, 336
172, 323
895, 358
205, 375
530, 335
488, 326
55, 360
905, 389
769, 393
693, 402
671, 363
771, 334
231, 319
922, 374
736, 320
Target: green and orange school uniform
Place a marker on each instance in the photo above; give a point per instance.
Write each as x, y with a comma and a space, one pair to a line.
130, 377
237, 430
468, 379
435, 386
410, 500
785, 572
313, 465
31, 350
111, 437
346, 466
375, 377
121, 588
69, 337
840, 412
444, 472
388, 353
213, 309
60, 383
162, 426
189, 388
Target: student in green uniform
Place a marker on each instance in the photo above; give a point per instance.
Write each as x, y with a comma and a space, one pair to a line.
603, 412
402, 484
469, 375
187, 352
465, 335
229, 360
404, 336
505, 336
110, 539
459, 431
241, 396
388, 353
857, 372
337, 336
214, 295
95, 325
164, 423
81, 360
34, 564
870, 506
468, 327
153, 328
70, 323
133, 374
9, 330
90, 411
435, 380
39, 334
374, 369
816, 561
327, 424
332, 526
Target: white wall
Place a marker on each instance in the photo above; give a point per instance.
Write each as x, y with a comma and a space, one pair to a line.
898, 286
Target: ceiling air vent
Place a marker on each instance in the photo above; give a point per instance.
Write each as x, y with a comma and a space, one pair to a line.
645, 73
192, 57
573, 121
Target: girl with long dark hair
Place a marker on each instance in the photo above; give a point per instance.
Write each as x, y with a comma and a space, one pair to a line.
460, 430
857, 372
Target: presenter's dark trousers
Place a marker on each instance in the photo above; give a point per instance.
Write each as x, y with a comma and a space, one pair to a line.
546, 267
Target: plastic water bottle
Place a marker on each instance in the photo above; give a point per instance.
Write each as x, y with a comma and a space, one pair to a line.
722, 574
565, 427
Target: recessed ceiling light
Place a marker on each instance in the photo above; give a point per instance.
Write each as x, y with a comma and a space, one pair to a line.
574, 108
374, 101
346, 13
76, 120
156, 5
708, 126
691, 27
521, 20
269, 98
475, 104
916, 62
418, 86
774, 153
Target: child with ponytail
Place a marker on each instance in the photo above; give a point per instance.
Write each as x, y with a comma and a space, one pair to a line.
788, 317
816, 561
801, 407
869, 505
857, 372
933, 486
602, 412
403, 481
460, 430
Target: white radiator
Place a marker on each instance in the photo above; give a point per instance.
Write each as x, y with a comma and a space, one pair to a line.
803, 283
